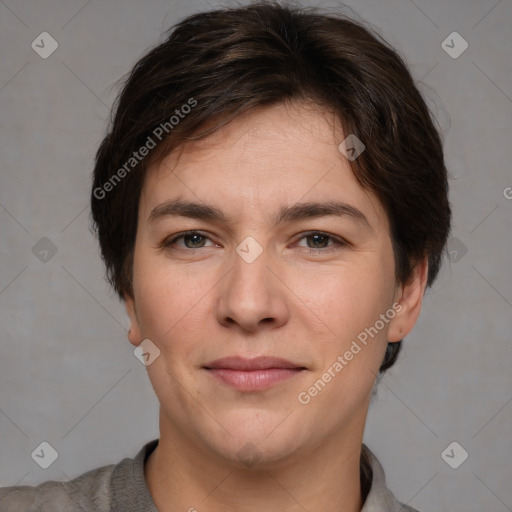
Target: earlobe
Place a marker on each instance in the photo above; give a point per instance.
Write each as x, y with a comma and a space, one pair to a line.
134, 334
409, 299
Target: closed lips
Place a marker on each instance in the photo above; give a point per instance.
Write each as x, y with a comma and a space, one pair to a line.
257, 363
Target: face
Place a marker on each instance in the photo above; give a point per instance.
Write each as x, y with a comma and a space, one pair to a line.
290, 258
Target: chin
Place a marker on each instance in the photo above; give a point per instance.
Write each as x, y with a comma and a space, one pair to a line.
261, 446
254, 455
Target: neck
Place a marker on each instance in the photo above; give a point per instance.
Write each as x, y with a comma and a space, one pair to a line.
183, 476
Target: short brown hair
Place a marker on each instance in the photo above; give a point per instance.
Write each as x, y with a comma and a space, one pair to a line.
229, 61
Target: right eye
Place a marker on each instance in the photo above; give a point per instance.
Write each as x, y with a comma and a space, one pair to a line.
196, 237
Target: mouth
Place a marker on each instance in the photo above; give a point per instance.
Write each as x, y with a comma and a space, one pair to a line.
254, 374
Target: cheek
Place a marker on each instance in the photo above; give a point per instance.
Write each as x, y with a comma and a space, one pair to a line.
173, 304
160, 294
351, 301
351, 298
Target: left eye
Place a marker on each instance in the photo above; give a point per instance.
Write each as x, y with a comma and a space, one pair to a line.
321, 238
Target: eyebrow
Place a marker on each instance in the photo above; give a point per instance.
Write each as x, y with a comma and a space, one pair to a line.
296, 212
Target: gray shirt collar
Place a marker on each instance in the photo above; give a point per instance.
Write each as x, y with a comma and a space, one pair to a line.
379, 498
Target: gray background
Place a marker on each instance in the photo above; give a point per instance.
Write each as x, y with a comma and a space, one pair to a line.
68, 375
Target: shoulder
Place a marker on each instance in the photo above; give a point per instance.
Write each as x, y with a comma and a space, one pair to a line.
87, 492
120, 486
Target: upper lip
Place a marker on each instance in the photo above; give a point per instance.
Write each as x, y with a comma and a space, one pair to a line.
247, 364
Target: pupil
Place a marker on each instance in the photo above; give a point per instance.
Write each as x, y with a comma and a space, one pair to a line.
315, 237
194, 238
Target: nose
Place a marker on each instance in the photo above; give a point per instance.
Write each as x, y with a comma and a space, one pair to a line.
252, 296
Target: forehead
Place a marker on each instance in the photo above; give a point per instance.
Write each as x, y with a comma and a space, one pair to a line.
276, 155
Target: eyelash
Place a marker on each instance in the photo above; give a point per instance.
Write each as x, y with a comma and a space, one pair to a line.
168, 243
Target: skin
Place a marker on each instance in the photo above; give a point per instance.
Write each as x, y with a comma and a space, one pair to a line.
295, 301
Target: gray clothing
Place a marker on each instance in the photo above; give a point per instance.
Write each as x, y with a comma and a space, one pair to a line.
122, 488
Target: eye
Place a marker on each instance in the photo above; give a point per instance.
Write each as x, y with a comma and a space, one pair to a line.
196, 239
321, 238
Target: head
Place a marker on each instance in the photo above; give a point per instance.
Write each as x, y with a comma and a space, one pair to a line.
240, 127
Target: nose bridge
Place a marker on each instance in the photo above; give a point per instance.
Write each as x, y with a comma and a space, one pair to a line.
249, 295
249, 277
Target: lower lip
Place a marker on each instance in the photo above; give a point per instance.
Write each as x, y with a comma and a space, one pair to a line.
254, 380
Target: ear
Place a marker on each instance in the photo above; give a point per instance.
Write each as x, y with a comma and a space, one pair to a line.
134, 334
410, 298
